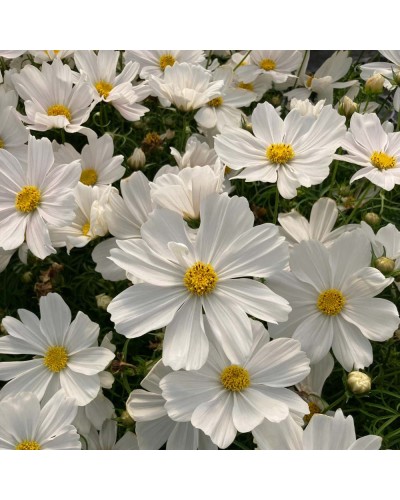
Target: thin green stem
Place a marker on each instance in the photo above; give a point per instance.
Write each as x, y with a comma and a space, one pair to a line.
242, 60
276, 207
301, 67
356, 206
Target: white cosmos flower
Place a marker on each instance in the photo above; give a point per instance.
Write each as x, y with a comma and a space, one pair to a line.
154, 427
212, 273
24, 425
331, 292
377, 151
186, 86
99, 166
324, 432
117, 90
124, 215
13, 134
224, 110
325, 79
228, 395
67, 355
277, 64
324, 214
35, 196
89, 221
154, 62
51, 98
197, 153
41, 56
106, 439
293, 152
184, 191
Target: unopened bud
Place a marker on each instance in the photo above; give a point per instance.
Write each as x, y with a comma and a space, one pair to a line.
372, 218
276, 100
137, 160
126, 419
374, 84
3, 331
103, 300
396, 78
385, 265
27, 277
359, 382
347, 107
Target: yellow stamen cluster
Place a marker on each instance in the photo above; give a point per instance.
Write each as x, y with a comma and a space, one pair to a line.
267, 64
309, 81
1, 143
85, 228
56, 358
381, 160
28, 445
279, 153
103, 88
216, 103
314, 408
88, 176
200, 279
59, 110
166, 60
27, 199
245, 86
331, 302
235, 378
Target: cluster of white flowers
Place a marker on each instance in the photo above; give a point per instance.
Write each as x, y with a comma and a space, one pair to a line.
248, 312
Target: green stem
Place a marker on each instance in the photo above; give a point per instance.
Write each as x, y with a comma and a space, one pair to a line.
356, 206
242, 60
334, 172
276, 205
301, 67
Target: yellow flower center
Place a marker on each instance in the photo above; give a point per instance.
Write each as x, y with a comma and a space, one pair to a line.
56, 358
309, 81
245, 86
28, 445
267, 64
235, 378
279, 153
200, 279
314, 408
381, 160
216, 103
85, 228
103, 88
58, 110
331, 302
166, 60
88, 177
27, 199
1, 143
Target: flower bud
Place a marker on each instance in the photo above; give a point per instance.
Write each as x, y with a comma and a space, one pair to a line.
372, 218
347, 107
374, 84
276, 100
27, 277
126, 419
3, 330
359, 382
137, 160
396, 77
385, 265
103, 300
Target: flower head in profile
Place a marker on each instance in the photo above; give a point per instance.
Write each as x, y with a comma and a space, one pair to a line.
368, 144
67, 355
293, 152
34, 197
182, 277
25, 425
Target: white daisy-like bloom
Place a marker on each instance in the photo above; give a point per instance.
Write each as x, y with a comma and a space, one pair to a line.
154, 62
324, 432
197, 153
100, 72
331, 291
181, 278
89, 222
277, 64
34, 197
106, 439
99, 165
324, 214
293, 152
13, 134
51, 98
306, 107
154, 427
184, 190
125, 215
186, 86
377, 151
224, 110
326, 78
257, 87
24, 425
67, 355
41, 56
228, 395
